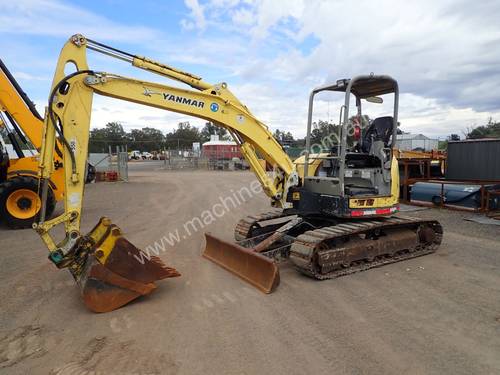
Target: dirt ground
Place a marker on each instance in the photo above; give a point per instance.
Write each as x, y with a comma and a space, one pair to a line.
438, 314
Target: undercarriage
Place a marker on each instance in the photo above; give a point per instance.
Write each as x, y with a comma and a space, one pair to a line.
325, 249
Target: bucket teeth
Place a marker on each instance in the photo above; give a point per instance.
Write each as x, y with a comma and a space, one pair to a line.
116, 272
104, 291
126, 260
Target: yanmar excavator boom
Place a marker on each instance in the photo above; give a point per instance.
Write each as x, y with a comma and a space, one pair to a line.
332, 211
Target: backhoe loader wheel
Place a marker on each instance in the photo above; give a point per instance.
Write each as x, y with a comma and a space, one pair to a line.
20, 202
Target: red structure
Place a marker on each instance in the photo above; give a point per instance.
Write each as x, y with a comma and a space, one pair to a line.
221, 150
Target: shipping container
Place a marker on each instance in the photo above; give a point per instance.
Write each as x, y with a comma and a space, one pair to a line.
474, 159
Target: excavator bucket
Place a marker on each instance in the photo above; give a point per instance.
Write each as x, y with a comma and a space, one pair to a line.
247, 264
116, 272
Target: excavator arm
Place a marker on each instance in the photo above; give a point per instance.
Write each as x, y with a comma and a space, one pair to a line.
70, 106
68, 120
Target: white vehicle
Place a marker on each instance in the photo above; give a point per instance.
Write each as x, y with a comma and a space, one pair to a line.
147, 155
136, 155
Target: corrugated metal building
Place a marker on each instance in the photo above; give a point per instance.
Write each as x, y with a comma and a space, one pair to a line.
420, 142
474, 159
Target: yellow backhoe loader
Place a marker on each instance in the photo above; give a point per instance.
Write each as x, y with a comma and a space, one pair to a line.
19, 199
332, 210
22, 124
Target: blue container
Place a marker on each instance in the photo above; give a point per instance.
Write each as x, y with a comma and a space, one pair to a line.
467, 196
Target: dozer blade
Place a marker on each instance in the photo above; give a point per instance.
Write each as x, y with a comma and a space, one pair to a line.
247, 264
115, 272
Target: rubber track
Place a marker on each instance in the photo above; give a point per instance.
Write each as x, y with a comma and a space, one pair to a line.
304, 247
244, 227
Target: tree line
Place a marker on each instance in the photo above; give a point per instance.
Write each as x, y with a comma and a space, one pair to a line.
490, 130
151, 139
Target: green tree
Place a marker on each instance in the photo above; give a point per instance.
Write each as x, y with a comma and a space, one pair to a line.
111, 135
211, 129
114, 132
146, 139
183, 137
284, 138
490, 130
442, 145
325, 135
320, 130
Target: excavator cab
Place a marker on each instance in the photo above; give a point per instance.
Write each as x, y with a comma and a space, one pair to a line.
357, 171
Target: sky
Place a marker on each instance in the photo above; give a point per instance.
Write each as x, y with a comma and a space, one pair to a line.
272, 53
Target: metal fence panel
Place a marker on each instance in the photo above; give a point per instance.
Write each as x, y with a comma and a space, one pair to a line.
474, 160
101, 161
122, 163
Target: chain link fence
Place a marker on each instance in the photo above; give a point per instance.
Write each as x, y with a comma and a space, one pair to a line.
107, 163
185, 159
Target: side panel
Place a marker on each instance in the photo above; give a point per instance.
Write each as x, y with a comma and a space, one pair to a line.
473, 160
313, 164
381, 202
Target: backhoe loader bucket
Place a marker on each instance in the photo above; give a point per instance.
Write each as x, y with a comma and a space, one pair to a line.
247, 264
115, 272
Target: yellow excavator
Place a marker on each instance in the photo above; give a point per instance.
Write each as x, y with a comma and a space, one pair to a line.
19, 199
332, 211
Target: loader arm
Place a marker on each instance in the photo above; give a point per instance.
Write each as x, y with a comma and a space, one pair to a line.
17, 104
14, 101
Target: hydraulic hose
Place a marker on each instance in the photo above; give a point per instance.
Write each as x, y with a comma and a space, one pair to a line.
52, 117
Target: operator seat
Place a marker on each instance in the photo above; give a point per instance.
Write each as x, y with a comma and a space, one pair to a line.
379, 130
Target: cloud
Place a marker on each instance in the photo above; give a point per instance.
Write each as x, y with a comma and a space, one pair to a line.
444, 54
270, 13
243, 17
197, 16
442, 50
287, 110
135, 116
57, 19
272, 53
